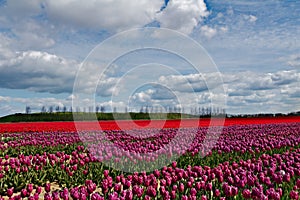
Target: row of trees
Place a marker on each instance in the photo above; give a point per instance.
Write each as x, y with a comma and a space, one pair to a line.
144, 109
200, 111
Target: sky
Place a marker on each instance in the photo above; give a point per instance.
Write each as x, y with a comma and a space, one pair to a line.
254, 45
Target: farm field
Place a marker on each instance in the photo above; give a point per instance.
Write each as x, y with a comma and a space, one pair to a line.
253, 158
114, 125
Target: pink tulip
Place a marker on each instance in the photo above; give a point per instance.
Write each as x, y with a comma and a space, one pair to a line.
105, 173
24, 193
246, 194
10, 192
151, 191
294, 195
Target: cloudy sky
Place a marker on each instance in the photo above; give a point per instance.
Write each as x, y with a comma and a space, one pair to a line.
254, 44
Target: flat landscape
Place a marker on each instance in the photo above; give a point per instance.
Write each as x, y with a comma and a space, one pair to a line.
257, 158
149, 100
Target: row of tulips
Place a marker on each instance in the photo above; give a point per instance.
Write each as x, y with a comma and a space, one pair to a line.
31, 159
268, 177
246, 138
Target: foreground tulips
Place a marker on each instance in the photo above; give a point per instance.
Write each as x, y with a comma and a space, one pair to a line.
247, 162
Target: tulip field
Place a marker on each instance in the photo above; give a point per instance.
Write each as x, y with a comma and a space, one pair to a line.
251, 159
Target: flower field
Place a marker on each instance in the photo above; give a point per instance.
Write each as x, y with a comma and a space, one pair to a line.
252, 159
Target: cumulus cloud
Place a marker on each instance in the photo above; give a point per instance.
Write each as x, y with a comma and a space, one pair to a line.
209, 32
5, 51
294, 61
104, 14
34, 36
21, 9
250, 18
37, 71
183, 15
184, 83
244, 89
150, 98
17, 104
44, 72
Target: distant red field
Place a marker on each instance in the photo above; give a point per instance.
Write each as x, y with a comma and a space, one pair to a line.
114, 125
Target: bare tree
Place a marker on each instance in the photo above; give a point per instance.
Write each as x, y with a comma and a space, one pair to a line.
102, 109
146, 110
142, 109
57, 108
28, 110
51, 109
43, 110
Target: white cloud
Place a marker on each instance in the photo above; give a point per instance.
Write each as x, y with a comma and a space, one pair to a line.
38, 71
32, 35
103, 14
21, 9
5, 51
183, 15
251, 18
294, 61
209, 32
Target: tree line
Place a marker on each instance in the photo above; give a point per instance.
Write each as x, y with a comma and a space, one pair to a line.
196, 111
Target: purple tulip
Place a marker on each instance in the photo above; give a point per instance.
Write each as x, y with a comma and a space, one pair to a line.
96, 196
151, 191
204, 197
38, 190
36, 196
29, 188
55, 195
10, 192
24, 193
47, 196
294, 195
193, 192
47, 187
246, 194
105, 173
217, 193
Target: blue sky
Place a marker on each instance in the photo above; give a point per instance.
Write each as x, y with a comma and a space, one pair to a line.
255, 45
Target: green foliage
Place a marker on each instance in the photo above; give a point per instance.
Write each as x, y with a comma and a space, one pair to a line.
80, 116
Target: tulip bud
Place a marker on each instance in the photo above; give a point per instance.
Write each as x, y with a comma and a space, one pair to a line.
209, 187
47, 187
246, 194
174, 164
105, 173
181, 187
47, 196
97, 196
10, 192
217, 193
294, 195
29, 188
55, 195
193, 192
74, 167
36, 196
151, 191
30, 198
